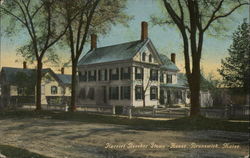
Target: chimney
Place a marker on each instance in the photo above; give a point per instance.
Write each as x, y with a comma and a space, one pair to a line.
62, 70
24, 65
93, 41
173, 57
144, 30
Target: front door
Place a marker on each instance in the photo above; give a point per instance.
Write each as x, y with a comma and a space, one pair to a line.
162, 97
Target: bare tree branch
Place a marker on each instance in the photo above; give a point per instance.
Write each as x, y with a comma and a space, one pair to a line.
89, 19
214, 17
15, 16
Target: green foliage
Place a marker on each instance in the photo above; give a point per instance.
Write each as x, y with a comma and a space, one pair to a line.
235, 69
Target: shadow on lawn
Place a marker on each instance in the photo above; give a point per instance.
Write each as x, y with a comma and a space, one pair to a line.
14, 152
186, 123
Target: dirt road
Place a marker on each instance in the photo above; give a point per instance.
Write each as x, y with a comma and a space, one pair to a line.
67, 139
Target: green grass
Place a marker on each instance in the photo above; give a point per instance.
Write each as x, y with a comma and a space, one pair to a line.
13, 152
186, 123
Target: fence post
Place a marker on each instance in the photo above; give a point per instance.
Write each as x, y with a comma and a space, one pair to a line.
130, 112
113, 109
153, 112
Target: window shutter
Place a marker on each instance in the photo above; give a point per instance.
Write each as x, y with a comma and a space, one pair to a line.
109, 92
99, 75
122, 92
110, 74
129, 92
106, 75
86, 76
117, 95
129, 72
157, 75
121, 73
95, 75
135, 72
156, 92
151, 74
142, 73
89, 74
117, 73
151, 95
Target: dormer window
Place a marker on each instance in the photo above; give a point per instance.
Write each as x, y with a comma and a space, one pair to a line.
143, 56
150, 58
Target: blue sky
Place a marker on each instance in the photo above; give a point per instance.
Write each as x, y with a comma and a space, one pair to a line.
166, 38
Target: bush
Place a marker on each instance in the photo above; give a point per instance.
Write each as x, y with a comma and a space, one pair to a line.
118, 110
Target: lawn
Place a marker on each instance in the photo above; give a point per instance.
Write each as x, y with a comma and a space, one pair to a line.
186, 123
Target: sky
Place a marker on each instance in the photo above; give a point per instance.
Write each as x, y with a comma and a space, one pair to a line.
166, 38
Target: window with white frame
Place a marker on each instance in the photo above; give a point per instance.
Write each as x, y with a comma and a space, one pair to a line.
154, 75
143, 56
138, 92
92, 75
102, 75
91, 93
114, 93
114, 74
53, 89
125, 73
125, 92
153, 93
169, 78
82, 93
150, 58
138, 73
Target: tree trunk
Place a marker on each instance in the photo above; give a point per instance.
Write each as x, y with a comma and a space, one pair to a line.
144, 101
73, 87
38, 85
195, 90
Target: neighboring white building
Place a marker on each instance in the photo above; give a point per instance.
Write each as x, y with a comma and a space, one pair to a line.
120, 74
18, 86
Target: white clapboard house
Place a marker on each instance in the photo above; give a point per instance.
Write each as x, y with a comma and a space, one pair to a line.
122, 74
18, 86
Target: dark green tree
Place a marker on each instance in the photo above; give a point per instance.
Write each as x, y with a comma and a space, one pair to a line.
194, 18
235, 69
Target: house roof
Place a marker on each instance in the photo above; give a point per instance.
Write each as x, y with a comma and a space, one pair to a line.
123, 51
66, 79
181, 82
167, 63
10, 73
